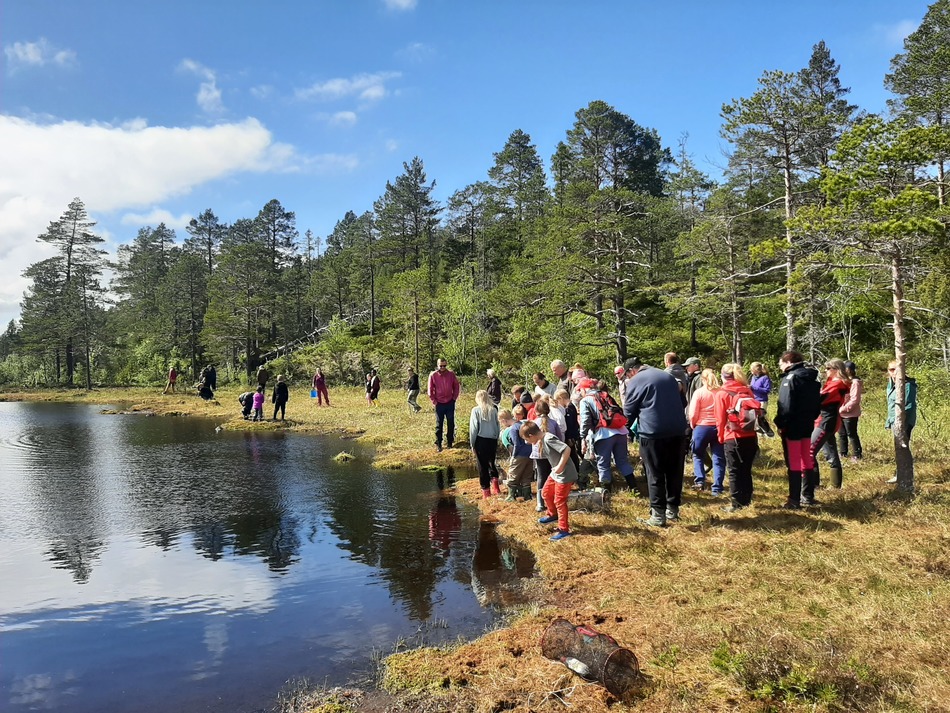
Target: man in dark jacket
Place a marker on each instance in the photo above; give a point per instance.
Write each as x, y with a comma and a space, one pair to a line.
653, 398
799, 402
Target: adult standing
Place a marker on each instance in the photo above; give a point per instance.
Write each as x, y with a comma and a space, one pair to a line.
676, 370
850, 412
320, 386
494, 387
655, 401
761, 385
705, 433
280, 397
595, 433
262, 376
740, 445
443, 390
542, 385
212, 377
483, 433
799, 403
562, 375
694, 368
412, 391
621, 382
372, 387
172, 378
833, 393
910, 404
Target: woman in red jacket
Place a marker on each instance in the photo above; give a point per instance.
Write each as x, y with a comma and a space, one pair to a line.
740, 443
834, 390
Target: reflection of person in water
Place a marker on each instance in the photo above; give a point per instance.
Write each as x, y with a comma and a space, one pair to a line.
497, 570
445, 522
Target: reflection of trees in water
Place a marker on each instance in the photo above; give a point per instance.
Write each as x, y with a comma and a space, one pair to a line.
227, 495
61, 478
498, 566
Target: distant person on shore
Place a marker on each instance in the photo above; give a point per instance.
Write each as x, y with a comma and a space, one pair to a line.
910, 404
280, 397
443, 389
562, 475
850, 412
372, 388
320, 386
247, 404
412, 391
655, 401
799, 404
258, 404
172, 378
212, 377
263, 375
494, 387
483, 431
204, 390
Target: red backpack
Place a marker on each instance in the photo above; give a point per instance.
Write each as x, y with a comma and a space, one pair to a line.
610, 414
743, 414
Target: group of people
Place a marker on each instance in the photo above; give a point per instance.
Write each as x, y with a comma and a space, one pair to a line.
252, 402
553, 431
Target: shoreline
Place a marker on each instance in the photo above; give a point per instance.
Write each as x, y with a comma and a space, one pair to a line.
843, 608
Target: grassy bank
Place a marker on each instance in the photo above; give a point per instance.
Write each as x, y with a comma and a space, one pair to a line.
843, 608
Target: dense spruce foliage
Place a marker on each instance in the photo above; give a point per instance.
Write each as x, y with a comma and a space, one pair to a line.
827, 233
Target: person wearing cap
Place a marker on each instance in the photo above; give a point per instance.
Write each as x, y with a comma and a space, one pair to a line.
694, 368
654, 400
850, 412
280, 397
606, 442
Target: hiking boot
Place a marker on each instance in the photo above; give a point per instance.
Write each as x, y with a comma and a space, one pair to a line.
547, 519
791, 505
656, 519
672, 515
560, 535
699, 487
810, 503
512, 494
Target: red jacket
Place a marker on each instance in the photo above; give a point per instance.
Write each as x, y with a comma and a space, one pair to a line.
833, 394
443, 387
725, 397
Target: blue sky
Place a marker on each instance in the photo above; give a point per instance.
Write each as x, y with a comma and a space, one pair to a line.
154, 112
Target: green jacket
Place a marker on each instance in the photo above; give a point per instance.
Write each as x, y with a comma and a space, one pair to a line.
910, 402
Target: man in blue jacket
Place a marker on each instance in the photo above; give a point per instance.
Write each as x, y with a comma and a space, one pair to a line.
653, 398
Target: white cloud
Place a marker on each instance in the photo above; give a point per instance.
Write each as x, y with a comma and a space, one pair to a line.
895, 34
391, 145
114, 168
262, 91
343, 118
415, 52
209, 96
401, 5
37, 54
156, 216
369, 87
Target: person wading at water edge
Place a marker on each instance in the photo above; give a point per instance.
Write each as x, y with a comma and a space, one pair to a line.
443, 390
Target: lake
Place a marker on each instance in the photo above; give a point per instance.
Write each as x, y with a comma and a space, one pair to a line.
158, 564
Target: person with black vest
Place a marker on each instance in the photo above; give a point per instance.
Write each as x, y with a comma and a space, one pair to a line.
799, 403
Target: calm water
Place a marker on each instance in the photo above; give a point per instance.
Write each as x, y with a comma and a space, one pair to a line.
154, 564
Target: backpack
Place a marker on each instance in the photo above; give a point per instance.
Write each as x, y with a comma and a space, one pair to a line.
742, 416
610, 414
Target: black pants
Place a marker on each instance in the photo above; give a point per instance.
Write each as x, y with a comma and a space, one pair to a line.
740, 454
542, 469
823, 441
849, 434
445, 413
485, 450
282, 407
663, 460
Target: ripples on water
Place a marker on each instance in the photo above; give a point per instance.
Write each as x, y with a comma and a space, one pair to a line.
155, 564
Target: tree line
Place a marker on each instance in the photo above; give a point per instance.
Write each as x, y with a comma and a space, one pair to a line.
827, 233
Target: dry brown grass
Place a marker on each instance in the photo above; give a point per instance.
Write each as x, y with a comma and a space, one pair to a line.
843, 608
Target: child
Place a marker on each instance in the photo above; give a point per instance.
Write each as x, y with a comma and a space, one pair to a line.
563, 475
761, 386
542, 468
520, 470
572, 429
259, 404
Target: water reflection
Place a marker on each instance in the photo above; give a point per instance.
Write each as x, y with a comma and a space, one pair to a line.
157, 559
499, 568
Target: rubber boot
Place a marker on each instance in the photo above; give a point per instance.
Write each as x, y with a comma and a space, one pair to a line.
809, 483
526, 493
486, 493
513, 493
794, 501
495, 489
835, 477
